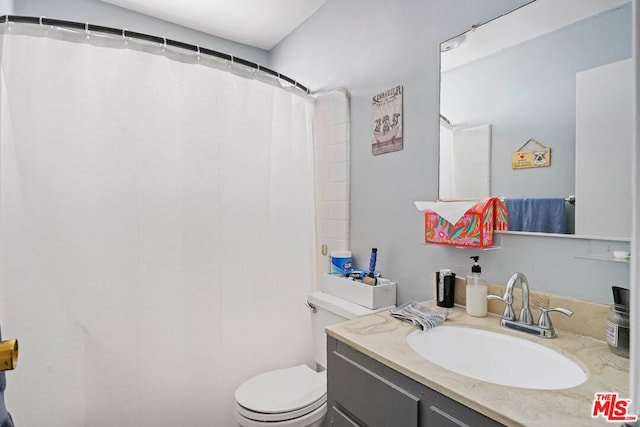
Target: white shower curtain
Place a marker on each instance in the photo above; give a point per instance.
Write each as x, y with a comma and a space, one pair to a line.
156, 232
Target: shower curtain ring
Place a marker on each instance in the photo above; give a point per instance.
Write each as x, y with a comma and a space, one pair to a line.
86, 29
124, 34
41, 20
164, 44
198, 52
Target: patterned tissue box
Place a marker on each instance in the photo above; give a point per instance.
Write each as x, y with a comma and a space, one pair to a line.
474, 229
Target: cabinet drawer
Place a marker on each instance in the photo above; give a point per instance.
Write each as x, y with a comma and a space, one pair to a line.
371, 399
340, 419
445, 412
439, 418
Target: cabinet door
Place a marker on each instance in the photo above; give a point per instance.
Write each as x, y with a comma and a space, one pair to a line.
371, 399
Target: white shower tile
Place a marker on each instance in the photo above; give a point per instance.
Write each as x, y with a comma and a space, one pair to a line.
341, 230
336, 191
319, 193
329, 191
338, 133
322, 105
318, 117
321, 134
339, 153
337, 244
332, 154
331, 140
336, 116
338, 210
323, 173
327, 229
324, 228
320, 156
328, 154
337, 172
333, 229
338, 229
323, 210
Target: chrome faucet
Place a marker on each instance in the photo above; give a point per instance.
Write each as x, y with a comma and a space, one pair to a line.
524, 322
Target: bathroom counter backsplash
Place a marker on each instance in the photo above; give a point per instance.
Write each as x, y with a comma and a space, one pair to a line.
588, 318
383, 338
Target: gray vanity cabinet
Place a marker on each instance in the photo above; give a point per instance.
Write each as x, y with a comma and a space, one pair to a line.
363, 392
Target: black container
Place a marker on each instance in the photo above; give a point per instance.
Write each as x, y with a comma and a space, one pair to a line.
618, 330
445, 286
618, 322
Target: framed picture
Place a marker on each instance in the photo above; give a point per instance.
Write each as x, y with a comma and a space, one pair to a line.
526, 159
387, 121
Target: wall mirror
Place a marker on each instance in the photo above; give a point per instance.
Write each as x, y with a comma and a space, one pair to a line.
544, 72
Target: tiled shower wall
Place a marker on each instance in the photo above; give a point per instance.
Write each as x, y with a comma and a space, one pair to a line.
331, 140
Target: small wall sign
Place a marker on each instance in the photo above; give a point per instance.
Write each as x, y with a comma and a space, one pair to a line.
387, 121
536, 158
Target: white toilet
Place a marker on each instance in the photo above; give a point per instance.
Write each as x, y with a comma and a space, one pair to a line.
297, 396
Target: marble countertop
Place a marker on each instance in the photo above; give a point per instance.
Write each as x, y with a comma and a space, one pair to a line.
383, 338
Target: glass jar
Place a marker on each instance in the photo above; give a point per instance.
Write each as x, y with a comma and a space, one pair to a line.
618, 330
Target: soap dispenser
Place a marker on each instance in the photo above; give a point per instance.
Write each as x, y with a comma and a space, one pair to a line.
476, 291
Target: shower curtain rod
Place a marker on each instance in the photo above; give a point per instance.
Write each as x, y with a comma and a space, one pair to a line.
135, 35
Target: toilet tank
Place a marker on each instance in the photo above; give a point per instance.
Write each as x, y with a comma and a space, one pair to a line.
330, 310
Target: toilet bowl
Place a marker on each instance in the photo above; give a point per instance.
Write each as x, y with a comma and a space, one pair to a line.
296, 396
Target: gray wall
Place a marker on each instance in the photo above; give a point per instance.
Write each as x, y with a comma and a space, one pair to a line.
101, 13
529, 91
368, 46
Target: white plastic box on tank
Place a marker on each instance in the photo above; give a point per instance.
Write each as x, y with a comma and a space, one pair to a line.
372, 297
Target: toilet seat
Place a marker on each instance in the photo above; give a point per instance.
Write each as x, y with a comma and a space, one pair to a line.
281, 395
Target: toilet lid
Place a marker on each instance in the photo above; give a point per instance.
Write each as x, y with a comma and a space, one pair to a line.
283, 390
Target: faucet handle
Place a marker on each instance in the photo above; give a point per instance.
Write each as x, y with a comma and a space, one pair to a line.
508, 309
545, 321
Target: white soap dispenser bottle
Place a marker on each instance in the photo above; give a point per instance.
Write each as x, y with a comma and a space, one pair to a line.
476, 291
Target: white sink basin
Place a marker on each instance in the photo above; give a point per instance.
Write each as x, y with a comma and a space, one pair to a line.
496, 358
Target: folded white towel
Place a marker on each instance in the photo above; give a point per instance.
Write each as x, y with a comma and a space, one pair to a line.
420, 315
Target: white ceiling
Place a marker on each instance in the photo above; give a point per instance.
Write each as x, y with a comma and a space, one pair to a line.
258, 23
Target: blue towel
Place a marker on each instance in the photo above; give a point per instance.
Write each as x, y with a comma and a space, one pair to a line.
537, 215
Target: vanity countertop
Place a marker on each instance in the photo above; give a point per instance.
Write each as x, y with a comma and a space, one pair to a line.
383, 338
